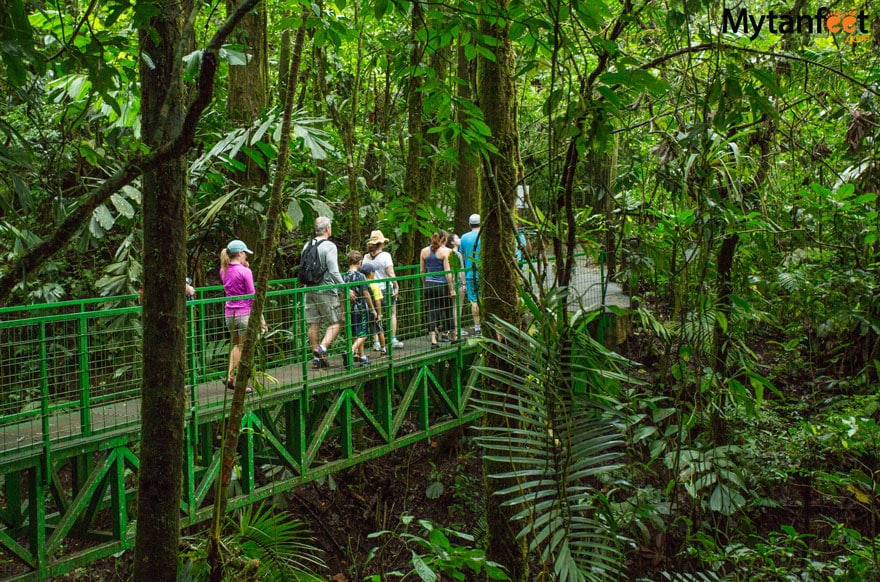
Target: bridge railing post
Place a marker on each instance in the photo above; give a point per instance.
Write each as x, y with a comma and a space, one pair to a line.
193, 324
44, 403
85, 409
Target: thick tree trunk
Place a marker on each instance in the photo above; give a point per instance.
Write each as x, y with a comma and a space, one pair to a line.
467, 177
164, 316
600, 169
247, 99
499, 275
415, 181
249, 84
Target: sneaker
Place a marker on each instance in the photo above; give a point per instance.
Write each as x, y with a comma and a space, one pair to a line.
365, 361
316, 363
434, 345
320, 352
382, 350
463, 333
476, 331
396, 343
444, 337
377, 347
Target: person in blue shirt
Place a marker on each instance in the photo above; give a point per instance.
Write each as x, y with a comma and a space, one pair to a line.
470, 253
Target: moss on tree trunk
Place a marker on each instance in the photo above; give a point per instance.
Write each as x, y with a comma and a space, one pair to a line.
164, 316
499, 276
467, 177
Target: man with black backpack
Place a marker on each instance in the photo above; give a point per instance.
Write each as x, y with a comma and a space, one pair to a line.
319, 266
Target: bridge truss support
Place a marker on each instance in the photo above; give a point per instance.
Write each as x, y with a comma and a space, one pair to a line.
70, 504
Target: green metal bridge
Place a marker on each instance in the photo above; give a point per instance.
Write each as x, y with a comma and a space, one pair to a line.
70, 381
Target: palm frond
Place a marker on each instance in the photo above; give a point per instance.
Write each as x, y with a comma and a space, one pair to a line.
555, 439
279, 543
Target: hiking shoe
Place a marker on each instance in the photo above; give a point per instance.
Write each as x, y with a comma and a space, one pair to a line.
396, 343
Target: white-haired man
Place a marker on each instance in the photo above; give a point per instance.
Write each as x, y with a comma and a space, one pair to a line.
322, 306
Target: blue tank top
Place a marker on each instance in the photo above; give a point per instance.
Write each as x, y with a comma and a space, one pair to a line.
434, 264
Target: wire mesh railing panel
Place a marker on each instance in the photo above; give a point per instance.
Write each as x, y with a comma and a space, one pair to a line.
210, 343
111, 377
23, 383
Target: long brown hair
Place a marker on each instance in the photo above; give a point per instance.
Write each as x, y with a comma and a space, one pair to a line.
437, 240
372, 248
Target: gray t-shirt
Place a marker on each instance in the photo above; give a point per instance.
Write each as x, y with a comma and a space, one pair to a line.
328, 256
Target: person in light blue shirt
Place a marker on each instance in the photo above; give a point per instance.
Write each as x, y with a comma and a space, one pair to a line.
470, 252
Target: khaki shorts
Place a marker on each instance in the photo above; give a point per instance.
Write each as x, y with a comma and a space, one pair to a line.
237, 325
322, 308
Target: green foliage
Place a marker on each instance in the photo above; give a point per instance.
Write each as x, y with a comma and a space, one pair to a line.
712, 477
437, 553
260, 545
786, 554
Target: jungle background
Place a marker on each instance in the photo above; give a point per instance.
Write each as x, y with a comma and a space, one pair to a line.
727, 179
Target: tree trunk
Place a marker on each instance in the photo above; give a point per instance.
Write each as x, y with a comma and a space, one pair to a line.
467, 177
499, 275
345, 119
374, 161
164, 316
414, 181
600, 169
249, 84
246, 101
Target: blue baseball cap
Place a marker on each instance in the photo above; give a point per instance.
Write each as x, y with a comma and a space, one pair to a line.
238, 246
367, 268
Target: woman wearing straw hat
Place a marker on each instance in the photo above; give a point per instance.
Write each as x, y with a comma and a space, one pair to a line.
384, 269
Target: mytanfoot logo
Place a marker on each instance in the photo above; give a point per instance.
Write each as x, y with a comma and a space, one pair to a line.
853, 24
